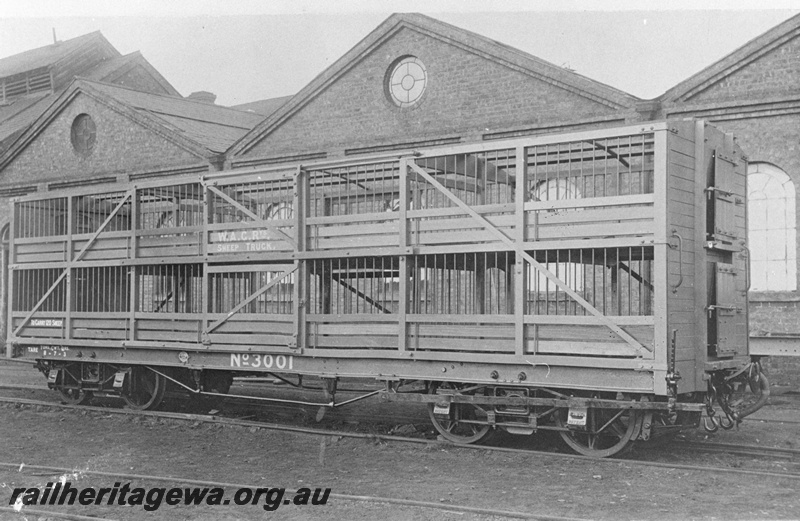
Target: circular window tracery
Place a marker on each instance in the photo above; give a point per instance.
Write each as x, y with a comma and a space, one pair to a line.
406, 81
83, 134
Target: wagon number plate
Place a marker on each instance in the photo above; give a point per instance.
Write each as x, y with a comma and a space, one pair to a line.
256, 361
441, 408
577, 417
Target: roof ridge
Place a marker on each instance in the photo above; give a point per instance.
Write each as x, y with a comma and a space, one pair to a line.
125, 87
518, 60
514, 50
154, 94
126, 57
52, 55
56, 44
732, 61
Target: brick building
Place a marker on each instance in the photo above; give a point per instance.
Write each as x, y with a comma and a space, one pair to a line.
417, 82
31, 80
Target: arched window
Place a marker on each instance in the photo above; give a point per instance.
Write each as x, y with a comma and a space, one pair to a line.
772, 230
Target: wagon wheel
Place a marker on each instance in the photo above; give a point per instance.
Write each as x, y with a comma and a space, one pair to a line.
457, 426
146, 389
75, 396
607, 431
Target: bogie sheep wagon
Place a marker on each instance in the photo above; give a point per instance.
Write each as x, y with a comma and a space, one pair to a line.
592, 283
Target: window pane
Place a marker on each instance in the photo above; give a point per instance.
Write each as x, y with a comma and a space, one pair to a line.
758, 275
758, 215
776, 245
776, 275
758, 246
771, 228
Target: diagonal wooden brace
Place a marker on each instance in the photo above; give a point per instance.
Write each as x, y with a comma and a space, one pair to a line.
263, 289
72, 262
271, 226
533, 262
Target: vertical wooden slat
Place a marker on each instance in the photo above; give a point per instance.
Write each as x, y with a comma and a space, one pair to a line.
205, 290
133, 298
520, 279
700, 265
71, 216
301, 293
402, 298
133, 249
661, 261
9, 296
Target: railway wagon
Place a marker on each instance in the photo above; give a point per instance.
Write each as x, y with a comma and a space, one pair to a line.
593, 283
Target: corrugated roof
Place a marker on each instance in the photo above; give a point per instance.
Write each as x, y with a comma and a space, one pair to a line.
43, 56
211, 126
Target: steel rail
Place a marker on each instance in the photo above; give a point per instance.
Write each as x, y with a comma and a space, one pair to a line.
771, 420
53, 515
383, 437
24, 387
3, 360
755, 450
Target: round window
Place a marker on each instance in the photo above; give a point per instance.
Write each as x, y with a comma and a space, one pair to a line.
83, 134
406, 81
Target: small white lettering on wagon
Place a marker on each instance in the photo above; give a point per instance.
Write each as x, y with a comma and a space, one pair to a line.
47, 322
243, 236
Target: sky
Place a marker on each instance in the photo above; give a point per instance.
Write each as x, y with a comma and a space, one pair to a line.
248, 50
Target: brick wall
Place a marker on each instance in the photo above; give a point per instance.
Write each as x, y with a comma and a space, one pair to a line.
783, 371
775, 317
774, 74
122, 145
466, 95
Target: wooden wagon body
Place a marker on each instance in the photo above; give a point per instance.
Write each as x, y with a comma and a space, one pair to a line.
600, 259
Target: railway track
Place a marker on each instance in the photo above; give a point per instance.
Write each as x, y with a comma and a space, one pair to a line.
773, 420
730, 449
741, 450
